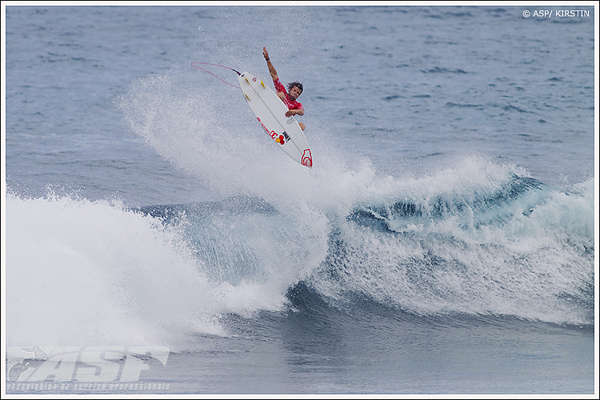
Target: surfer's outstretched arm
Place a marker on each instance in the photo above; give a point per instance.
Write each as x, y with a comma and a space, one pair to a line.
272, 70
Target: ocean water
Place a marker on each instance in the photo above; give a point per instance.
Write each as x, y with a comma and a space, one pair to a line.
443, 243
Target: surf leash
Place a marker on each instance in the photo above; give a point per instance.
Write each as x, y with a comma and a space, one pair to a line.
197, 64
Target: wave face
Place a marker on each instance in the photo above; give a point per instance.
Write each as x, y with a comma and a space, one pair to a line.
476, 240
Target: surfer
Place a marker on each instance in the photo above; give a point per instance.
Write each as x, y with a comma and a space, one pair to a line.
295, 90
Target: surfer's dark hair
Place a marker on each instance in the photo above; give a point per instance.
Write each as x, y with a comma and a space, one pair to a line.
291, 85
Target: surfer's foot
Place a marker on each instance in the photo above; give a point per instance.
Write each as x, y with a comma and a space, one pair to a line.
301, 125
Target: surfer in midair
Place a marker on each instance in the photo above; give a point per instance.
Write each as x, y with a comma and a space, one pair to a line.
289, 98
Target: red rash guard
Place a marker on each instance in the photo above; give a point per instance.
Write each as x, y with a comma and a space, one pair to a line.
291, 104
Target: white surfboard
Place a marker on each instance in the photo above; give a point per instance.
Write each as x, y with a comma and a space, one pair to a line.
270, 112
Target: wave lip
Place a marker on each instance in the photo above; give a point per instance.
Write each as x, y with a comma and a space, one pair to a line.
475, 206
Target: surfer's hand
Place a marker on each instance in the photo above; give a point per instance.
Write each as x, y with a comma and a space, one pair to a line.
266, 54
289, 113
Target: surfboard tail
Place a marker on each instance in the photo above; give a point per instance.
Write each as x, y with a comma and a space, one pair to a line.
307, 159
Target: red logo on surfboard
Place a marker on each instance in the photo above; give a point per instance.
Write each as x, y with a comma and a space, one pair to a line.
307, 159
274, 135
281, 139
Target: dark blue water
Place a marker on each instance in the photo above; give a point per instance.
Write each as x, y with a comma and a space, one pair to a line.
443, 243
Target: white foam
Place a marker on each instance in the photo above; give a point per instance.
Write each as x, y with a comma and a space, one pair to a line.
93, 273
